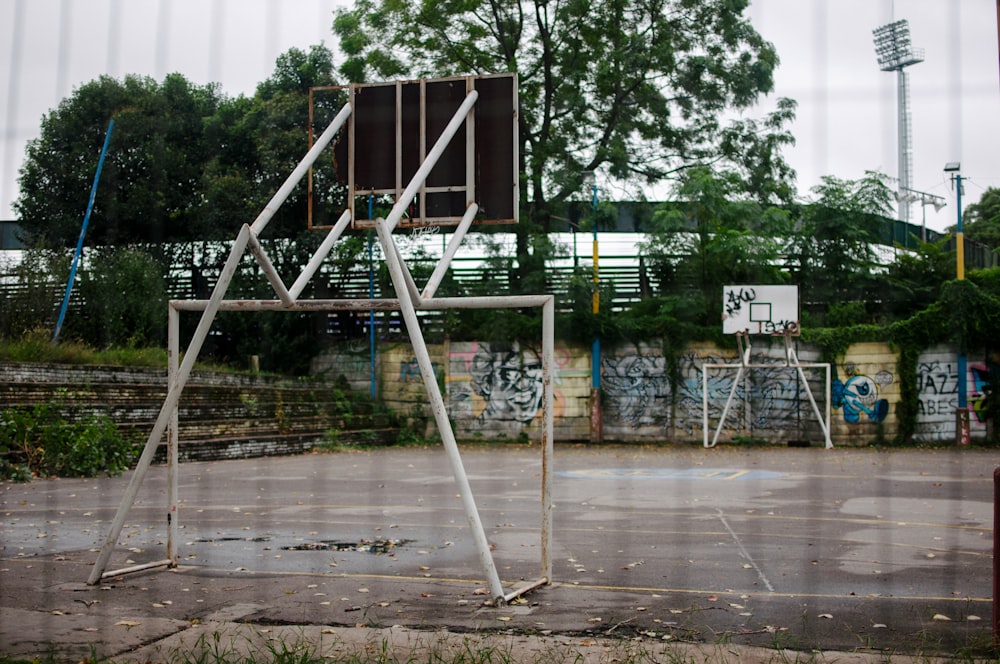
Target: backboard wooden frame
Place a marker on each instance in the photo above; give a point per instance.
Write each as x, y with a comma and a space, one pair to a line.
393, 126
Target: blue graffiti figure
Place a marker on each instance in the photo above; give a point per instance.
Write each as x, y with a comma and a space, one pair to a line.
859, 395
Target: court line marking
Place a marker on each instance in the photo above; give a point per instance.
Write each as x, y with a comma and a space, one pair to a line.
745, 553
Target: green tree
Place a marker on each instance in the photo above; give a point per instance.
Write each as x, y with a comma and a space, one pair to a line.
185, 162
915, 278
29, 300
714, 236
633, 90
148, 189
981, 222
124, 296
833, 257
263, 138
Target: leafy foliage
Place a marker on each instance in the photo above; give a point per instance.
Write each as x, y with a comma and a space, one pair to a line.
31, 304
125, 299
184, 163
982, 220
832, 256
42, 442
633, 91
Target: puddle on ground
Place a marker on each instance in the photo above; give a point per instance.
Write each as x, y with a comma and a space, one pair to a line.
215, 540
377, 546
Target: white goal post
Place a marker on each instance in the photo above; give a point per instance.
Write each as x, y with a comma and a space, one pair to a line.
409, 299
763, 310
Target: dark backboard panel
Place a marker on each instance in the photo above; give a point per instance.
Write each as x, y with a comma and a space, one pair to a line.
394, 125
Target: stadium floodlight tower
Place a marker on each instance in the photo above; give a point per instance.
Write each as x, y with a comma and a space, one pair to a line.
894, 52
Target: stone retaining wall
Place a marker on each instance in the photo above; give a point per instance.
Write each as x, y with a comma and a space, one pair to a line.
221, 415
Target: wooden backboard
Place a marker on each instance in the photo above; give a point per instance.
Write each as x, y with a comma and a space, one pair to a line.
394, 125
760, 309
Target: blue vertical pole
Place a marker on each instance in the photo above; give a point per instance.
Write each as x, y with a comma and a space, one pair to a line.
83, 232
371, 296
596, 349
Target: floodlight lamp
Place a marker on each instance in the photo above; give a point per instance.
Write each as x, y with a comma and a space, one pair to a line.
892, 46
589, 179
952, 166
938, 205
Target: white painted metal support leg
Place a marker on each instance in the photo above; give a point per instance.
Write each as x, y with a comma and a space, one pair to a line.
725, 410
173, 432
264, 218
456, 240
439, 411
321, 253
169, 405
824, 422
548, 419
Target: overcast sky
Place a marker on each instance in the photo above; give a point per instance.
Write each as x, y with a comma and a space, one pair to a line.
847, 107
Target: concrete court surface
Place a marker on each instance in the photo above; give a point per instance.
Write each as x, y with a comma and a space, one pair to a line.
851, 550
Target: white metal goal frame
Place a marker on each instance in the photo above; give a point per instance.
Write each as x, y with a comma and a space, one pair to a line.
791, 361
409, 299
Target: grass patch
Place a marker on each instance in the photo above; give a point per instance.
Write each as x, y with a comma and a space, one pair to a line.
37, 347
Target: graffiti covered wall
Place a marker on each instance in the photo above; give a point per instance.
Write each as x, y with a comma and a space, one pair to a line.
641, 403
937, 385
864, 394
494, 391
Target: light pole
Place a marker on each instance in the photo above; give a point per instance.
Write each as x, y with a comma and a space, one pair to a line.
596, 416
925, 199
962, 433
894, 53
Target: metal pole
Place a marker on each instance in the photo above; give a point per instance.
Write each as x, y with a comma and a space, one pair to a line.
962, 432
996, 556
83, 232
170, 403
596, 416
438, 408
173, 435
548, 418
371, 296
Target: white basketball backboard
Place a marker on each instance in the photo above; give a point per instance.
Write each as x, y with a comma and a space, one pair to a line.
759, 309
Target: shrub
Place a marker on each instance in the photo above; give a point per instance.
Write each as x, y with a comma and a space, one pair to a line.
40, 441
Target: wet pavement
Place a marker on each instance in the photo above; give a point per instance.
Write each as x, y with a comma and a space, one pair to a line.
848, 550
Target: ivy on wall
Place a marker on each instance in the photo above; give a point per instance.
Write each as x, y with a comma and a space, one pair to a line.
966, 314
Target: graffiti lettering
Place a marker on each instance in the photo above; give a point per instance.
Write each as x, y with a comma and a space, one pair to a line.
779, 326
937, 378
937, 385
736, 298
632, 384
937, 406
